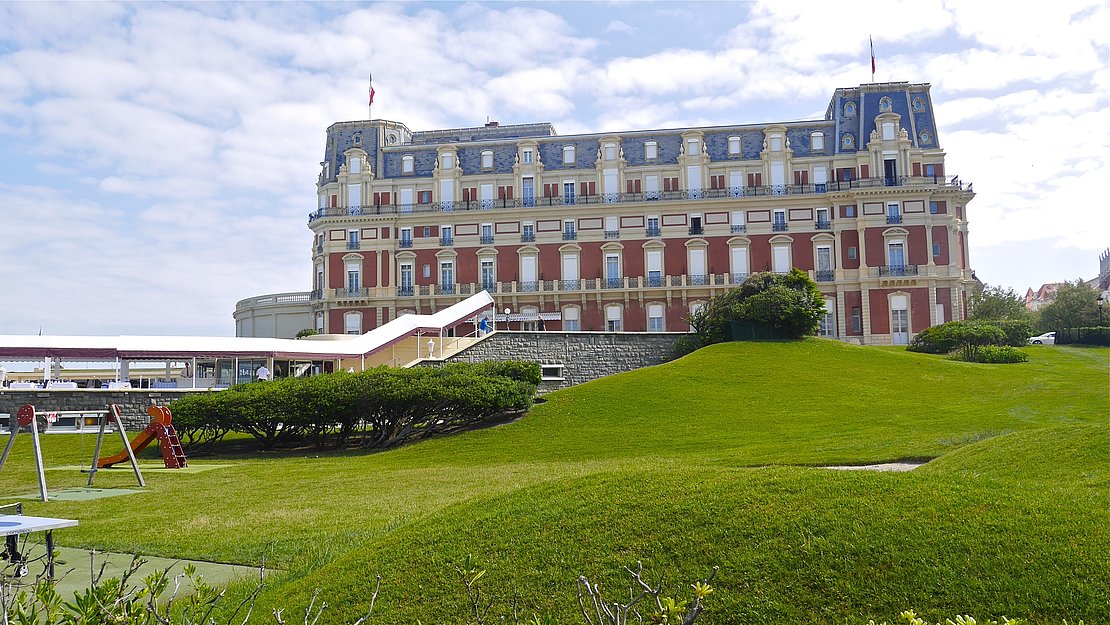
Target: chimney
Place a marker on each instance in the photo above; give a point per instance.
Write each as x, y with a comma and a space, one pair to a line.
492, 124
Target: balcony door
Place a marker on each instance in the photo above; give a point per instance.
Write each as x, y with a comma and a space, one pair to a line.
899, 320
528, 280
896, 256
697, 266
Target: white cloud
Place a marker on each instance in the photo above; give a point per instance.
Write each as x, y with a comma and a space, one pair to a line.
171, 150
617, 26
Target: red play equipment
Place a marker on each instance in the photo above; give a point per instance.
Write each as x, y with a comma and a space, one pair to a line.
160, 428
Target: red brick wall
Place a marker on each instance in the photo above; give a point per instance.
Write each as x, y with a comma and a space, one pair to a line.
369, 269
944, 296
940, 235
880, 313
852, 298
918, 252
336, 271
849, 238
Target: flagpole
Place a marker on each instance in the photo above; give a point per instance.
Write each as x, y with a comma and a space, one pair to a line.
370, 104
872, 42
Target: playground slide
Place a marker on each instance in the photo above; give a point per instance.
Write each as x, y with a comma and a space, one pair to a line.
137, 445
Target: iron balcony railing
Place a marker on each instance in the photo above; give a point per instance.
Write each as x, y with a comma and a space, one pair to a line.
654, 232
825, 275
405, 243
353, 245
823, 225
653, 196
446, 241
316, 294
894, 219
569, 235
897, 270
655, 281
779, 226
528, 237
320, 249
612, 234
697, 230
739, 228
486, 239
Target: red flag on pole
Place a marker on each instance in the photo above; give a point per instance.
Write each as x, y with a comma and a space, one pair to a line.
872, 57
371, 103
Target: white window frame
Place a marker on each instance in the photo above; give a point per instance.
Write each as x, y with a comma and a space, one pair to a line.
408, 164
651, 151
610, 151
572, 319
526, 156
352, 319
447, 161
735, 146
487, 159
354, 165
614, 318
568, 155
656, 322
817, 141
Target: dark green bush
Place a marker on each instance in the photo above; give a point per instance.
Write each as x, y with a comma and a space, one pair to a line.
789, 303
940, 339
1017, 331
683, 346
995, 354
1096, 335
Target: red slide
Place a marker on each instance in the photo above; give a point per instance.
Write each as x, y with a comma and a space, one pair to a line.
161, 429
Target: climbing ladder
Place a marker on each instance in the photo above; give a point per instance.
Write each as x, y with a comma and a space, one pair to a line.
173, 455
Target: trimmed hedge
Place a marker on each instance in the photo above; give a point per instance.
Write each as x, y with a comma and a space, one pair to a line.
1096, 335
381, 407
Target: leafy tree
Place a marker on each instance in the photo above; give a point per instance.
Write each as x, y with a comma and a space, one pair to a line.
306, 332
1075, 306
996, 302
789, 302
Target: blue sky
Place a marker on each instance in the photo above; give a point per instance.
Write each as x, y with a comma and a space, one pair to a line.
157, 160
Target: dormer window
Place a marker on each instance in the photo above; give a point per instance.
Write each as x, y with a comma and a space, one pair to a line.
358, 139
568, 155
734, 146
651, 150
354, 165
526, 156
817, 141
447, 161
693, 147
918, 105
610, 151
888, 131
885, 104
849, 109
407, 164
487, 159
848, 141
776, 143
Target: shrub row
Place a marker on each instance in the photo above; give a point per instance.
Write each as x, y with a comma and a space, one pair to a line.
1097, 335
381, 407
947, 337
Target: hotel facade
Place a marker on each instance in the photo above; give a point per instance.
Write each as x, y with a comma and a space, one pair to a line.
634, 230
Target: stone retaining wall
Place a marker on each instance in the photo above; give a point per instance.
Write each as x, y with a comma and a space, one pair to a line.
585, 356
132, 404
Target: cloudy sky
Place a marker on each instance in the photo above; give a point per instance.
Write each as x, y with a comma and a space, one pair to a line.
158, 161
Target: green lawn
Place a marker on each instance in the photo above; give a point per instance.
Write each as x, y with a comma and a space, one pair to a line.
701, 462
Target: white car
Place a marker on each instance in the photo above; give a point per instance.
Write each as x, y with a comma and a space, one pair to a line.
1048, 338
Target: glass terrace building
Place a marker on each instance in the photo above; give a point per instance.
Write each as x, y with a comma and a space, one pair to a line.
634, 230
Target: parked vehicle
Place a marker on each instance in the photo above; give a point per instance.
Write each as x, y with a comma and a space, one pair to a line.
1048, 338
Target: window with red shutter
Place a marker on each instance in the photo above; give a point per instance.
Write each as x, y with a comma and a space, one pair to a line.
386, 196
636, 188
864, 171
666, 184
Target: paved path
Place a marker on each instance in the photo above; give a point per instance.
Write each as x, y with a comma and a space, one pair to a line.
73, 568
886, 466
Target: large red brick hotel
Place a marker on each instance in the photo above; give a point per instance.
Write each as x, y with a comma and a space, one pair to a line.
632, 231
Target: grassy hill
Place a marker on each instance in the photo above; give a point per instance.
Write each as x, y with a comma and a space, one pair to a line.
704, 461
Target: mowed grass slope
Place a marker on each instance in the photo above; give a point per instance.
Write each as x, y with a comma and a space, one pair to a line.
656, 465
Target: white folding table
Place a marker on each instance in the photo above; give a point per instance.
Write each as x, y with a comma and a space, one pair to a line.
14, 525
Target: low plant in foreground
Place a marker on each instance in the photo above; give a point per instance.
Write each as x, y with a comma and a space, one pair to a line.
911, 617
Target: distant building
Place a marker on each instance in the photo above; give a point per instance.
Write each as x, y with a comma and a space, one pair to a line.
1036, 300
635, 230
